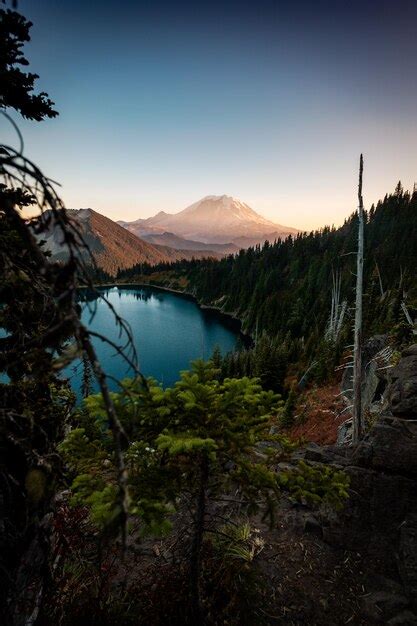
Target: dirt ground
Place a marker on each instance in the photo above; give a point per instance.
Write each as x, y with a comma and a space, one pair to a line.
311, 582
318, 415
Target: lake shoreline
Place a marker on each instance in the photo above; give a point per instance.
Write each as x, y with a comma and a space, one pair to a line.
230, 317
169, 332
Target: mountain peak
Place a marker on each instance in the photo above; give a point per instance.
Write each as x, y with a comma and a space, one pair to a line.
225, 211
224, 197
215, 219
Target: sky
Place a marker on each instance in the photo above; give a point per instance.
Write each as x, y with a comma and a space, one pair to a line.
164, 102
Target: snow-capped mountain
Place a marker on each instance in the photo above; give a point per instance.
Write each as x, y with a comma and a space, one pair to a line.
213, 219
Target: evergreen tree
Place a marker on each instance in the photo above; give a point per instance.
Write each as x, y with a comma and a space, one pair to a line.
16, 86
191, 446
287, 418
216, 358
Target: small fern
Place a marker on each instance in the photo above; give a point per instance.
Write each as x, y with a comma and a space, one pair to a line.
239, 541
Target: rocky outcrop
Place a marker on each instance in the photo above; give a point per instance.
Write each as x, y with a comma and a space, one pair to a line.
376, 358
402, 395
380, 517
390, 447
373, 379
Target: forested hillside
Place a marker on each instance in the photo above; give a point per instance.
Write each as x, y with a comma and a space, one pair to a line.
285, 288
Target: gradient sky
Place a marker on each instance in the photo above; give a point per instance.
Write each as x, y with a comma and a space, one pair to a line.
164, 102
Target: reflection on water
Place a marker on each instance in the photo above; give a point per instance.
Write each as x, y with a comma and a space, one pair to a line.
169, 331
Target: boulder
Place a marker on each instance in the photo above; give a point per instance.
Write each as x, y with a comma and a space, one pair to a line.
314, 453
313, 526
390, 446
402, 394
345, 433
378, 505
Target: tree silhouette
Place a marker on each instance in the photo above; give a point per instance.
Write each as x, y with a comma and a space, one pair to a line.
16, 86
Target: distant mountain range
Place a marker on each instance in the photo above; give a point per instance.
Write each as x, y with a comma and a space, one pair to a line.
212, 220
212, 227
114, 247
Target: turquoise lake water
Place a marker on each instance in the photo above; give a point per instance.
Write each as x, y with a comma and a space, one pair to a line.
169, 332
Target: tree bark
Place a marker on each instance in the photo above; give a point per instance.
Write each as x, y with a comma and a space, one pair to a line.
197, 542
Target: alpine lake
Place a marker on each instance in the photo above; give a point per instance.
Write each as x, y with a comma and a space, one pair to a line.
169, 331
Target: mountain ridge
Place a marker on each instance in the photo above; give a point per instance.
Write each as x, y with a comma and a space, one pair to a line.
114, 247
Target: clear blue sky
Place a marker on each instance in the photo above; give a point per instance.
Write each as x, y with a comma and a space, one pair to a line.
164, 102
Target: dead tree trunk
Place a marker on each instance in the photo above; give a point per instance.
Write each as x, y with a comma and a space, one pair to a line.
357, 350
197, 543
381, 288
